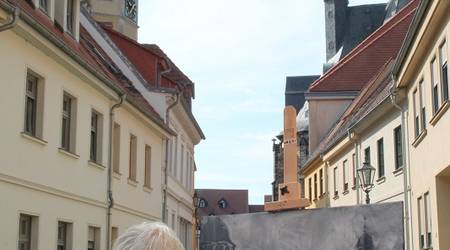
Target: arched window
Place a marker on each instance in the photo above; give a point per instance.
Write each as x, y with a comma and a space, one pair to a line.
202, 203
222, 203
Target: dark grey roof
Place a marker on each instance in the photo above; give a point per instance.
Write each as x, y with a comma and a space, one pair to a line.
361, 21
394, 6
296, 86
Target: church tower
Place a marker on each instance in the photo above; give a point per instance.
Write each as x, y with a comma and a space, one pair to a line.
122, 14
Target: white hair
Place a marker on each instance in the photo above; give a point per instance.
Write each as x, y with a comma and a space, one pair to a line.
148, 236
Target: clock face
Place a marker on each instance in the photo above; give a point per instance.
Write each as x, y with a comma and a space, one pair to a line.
131, 9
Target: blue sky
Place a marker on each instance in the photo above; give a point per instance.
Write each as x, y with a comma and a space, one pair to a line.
238, 53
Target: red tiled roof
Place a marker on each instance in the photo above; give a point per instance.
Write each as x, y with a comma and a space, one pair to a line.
146, 58
237, 201
91, 54
363, 62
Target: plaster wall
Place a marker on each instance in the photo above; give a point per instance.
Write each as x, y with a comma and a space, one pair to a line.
37, 178
323, 114
430, 158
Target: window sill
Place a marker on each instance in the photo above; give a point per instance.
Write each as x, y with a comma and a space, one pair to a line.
132, 182
381, 180
439, 113
345, 192
96, 165
419, 138
34, 138
398, 171
116, 175
67, 153
147, 189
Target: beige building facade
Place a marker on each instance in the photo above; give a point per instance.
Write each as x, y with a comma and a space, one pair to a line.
66, 129
423, 75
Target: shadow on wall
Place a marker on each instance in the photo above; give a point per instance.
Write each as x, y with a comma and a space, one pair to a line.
368, 227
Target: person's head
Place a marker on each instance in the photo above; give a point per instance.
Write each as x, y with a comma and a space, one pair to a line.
148, 236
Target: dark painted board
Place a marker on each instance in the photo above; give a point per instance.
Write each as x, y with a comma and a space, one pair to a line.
372, 227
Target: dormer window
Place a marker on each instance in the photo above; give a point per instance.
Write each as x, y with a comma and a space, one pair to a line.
222, 203
70, 16
43, 5
202, 203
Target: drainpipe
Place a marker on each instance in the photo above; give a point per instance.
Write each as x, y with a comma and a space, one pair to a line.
406, 188
166, 160
13, 21
109, 186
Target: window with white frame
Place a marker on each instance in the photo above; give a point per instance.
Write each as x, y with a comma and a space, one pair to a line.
422, 105
70, 16
96, 137
148, 166
27, 232
416, 110
132, 164
64, 236
321, 182
398, 147
310, 189
444, 70
434, 85
116, 148
43, 5
315, 187
345, 173
182, 164
335, 181
380, 157
354, 169
425, 227
93, 238
68, 123
33, 105
175, 156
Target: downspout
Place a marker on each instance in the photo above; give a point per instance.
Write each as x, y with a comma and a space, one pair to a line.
109, 194
406, 188
13, 21
166, 160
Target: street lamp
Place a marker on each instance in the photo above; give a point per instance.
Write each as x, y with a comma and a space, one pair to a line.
366, 177
196, 201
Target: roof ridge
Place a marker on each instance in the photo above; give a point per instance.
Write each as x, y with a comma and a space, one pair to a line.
372, 38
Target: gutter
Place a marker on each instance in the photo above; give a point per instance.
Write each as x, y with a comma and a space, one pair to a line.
406, 188
109, 193
15, 12
166, 160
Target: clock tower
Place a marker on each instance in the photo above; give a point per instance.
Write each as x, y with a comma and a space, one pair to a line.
122, 14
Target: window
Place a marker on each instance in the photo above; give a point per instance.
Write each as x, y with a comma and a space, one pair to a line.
444, 70
27, 232
68, 123
422, 105
31, 104
96, 136
182, 163
321, 182
425, 235
185, 233
354, 169
222, 203
114, 235
116, 148
398, 147
70, 16
148, 166
315, 186
173, 220
64, 236
416, 109
380, 145
310, 189
175, 157
43, 5
345, 174
132, 158
335, 181
435, 85
186, 177
93, 238
367, 155
202, 203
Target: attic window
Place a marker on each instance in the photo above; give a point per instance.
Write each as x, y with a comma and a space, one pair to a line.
70, 16
203, 203
222, 203
43, 5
